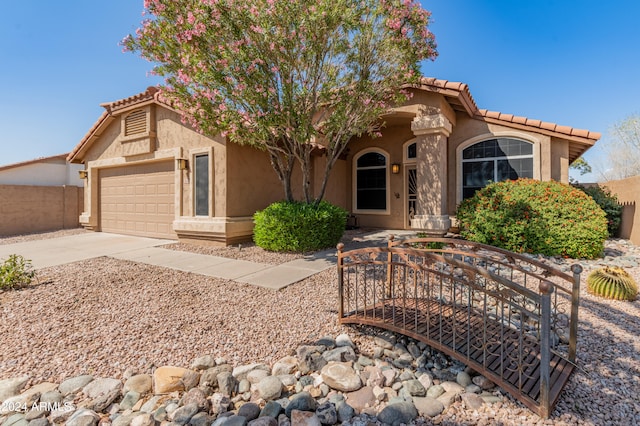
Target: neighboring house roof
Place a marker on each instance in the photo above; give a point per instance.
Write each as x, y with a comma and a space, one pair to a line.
61, 158
456, 93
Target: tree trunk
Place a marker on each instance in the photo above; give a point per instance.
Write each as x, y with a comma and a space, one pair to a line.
283, 166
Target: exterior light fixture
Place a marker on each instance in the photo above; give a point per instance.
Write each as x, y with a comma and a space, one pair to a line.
395, 168
83, 174
181, 163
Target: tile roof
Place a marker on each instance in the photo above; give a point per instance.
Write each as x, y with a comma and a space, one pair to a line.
457, 94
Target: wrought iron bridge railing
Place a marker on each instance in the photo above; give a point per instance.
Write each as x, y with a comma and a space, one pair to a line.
507, 316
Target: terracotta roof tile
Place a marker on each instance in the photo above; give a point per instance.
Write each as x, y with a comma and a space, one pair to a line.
151, 93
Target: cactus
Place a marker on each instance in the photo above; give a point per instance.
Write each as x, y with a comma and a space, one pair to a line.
612, 283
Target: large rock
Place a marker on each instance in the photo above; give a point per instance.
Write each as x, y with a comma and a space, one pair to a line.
327, 413
141, 383
100, 387
227, 383
83, 417
263, 421
375, 377
395, 414
27, 398
203, 363
452, 387
340, 354
144, 419
240, 372
415, 388
472, 401
286, 365
344, 340
12, 387
196, 396
269, 388
302, 401
183, 414
250, 411
304, 418
74, 384
310, 358
428, 407
254, 376
463, 379
16, 420
361, 399
271, 409
169, 379
341, 376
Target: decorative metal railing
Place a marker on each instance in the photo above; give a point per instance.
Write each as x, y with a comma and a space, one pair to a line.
506, 315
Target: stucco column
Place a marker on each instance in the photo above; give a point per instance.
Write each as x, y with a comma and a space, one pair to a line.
432, 132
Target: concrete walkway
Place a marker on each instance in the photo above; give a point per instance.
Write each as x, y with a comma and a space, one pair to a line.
73, 248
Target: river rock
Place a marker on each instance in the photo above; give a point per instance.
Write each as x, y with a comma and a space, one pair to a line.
183, 414
269, 388
327, 413
344, 340
240, 372
472, 400
415, 388
463, 379
12, 387
361, 399
302, 401
428, 407
304, 418
286, 365
203, 363
144, 419
483, 382
340, 354
271, 409
341, 376
167, 379
196, 396
141, 383
250, 411
83, 417
395, 414
227, 383
263, 421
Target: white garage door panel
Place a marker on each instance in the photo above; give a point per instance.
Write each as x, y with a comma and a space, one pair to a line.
138, 200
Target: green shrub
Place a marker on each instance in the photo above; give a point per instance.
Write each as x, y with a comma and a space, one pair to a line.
16, 271
530, 216
607, 202
297, 226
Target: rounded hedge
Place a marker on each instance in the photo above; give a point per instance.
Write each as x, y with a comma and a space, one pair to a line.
529, 216
297, 226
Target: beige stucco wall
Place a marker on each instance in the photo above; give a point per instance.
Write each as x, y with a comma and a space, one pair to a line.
391, 143
628, 192
28, 209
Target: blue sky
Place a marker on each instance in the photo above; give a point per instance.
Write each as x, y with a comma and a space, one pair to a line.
571, 62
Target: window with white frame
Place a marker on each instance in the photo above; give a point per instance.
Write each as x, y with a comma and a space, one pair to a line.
201, 185
371, 181
495, 160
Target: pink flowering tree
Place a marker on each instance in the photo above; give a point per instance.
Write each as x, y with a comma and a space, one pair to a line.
286, 76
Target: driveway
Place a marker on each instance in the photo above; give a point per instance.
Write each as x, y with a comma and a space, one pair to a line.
72, 248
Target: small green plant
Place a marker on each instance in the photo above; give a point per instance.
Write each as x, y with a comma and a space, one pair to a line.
608, 202
298, 227
530, 216
612, 282
16, 271
431, 245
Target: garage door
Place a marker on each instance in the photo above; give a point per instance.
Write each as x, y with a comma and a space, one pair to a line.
138, 200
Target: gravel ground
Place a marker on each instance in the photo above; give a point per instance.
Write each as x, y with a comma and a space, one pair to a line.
40, 236
103, 316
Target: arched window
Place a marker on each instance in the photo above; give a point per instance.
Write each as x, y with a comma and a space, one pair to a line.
495, 160
411, 152
371, 181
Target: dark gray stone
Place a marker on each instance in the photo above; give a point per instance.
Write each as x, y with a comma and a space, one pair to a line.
263, 421
327, 413
345, 411
226, 383
394, 414
200, 419
271, 409
183, 414
302, 401
235, 421
340, 354
250, 411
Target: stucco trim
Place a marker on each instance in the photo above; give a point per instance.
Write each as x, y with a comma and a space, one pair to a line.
354, 182
537, 144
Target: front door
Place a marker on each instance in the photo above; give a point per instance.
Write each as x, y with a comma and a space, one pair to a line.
412, 194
